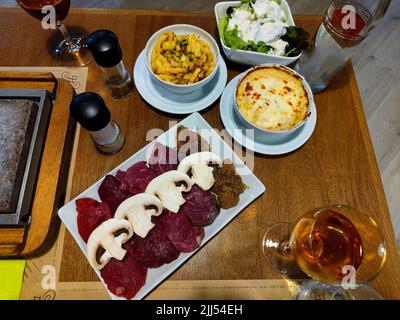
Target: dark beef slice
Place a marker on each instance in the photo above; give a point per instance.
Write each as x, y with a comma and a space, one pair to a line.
155, 249
163, 159
110, 191
136, 178
189, 142
91, 214
200, 206
124, 278
183, 234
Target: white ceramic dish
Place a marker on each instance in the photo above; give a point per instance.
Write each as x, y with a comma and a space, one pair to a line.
182, 29
260, 143
164, 100
155, 276
249, 57
276, 134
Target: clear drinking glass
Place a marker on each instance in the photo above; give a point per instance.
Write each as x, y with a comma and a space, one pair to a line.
345, 24
339, 247
72, 51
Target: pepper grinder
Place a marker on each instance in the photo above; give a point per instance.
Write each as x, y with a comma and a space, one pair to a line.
91, 112
107, 52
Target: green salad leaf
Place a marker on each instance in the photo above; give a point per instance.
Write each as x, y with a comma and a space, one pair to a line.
222, 25
232, 39
259, 47
297, 39
254, 1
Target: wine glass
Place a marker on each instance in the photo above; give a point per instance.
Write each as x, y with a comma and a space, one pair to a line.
72, 51
339, 247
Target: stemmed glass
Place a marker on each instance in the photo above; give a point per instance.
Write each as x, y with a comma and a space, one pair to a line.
338, 246
72, 51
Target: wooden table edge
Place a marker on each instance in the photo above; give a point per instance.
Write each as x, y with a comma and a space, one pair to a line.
141, 12
376, 176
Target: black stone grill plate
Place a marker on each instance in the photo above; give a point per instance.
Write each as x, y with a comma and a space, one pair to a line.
24, 118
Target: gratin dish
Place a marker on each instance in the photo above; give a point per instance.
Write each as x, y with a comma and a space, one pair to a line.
182, 29
249, 57
270, 133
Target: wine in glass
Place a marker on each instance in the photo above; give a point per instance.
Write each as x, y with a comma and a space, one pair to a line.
338, 246
72, 51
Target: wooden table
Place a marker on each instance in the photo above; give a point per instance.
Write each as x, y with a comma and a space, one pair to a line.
337, 164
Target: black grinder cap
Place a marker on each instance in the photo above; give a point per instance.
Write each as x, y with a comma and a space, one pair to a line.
90, 111
104, 46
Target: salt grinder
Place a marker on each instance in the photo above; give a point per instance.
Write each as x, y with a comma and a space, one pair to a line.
107, 52
93, 115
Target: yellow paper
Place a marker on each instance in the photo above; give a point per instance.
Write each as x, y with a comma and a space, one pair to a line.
11, 275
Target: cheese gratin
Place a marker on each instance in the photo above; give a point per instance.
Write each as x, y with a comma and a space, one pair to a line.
272, 98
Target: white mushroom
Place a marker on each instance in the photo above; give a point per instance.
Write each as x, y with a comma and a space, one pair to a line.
198, 165
105, 242
138, 210
168, 187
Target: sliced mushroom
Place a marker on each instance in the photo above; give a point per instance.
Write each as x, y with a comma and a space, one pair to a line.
105, 242
199, 166
138, 210
168, 187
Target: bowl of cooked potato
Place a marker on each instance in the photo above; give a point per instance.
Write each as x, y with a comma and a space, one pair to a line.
182, 58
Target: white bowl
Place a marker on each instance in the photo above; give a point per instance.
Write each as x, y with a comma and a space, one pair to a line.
283, 134
252, 58
182, 29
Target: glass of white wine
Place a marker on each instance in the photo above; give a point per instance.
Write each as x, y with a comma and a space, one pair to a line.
339, 247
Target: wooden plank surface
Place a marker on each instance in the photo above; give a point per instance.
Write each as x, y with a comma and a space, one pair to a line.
337, 165
51, 181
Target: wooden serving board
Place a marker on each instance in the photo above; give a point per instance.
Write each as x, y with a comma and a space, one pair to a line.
51, 180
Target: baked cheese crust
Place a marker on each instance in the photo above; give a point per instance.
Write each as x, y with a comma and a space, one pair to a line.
272, 98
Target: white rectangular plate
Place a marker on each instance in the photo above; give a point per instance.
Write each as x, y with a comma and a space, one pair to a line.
68, 213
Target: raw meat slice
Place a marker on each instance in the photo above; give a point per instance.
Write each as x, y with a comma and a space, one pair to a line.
189, 142
121, 178
124, 278
163, 159
199, 233
91, 214
136, 178
155, 249
200, 206
183, 234
111, 192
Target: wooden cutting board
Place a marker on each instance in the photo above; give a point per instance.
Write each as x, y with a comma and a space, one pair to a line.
52, 177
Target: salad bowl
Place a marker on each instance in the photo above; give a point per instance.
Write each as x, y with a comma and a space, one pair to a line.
246, 57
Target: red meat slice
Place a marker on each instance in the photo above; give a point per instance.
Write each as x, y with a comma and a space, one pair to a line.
121, 179
200, 206
163, 159
136, 178
183, 234
91, 214
124, 278
155, 249
110, 191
